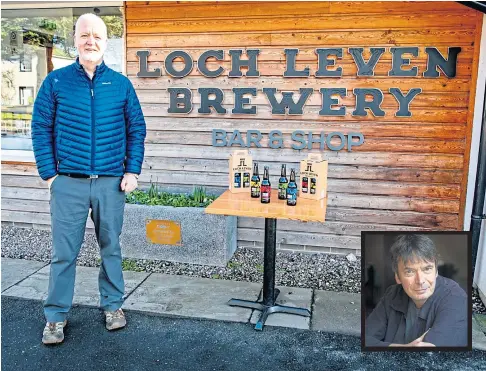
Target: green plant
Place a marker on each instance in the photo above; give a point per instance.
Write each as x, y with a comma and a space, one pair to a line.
199, 194
232, 265
215, 276
154, 196
153, 191
259, 268
130, 265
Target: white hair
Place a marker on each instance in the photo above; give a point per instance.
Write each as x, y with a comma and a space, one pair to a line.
91, 17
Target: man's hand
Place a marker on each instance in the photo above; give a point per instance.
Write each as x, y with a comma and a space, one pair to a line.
416, 343
419, 342
424, 344
129, 182
50, 180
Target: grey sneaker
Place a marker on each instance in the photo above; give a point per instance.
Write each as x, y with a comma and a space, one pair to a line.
53, 332
115, 320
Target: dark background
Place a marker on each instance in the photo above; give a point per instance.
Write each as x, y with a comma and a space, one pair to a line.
378, 273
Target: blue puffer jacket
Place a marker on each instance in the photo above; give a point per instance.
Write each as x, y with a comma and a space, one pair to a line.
87, 126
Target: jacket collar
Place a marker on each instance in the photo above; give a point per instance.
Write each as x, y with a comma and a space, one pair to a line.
400, 301
98, 71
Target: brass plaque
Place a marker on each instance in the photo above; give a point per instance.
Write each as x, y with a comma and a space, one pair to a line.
163, 232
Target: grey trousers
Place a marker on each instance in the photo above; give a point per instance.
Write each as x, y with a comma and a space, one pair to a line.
71, 199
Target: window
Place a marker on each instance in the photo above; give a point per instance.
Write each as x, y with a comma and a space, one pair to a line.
26, 95
34, 43
25, 63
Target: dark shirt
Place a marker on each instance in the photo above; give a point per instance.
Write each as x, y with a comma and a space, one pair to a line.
412, 327
445, 313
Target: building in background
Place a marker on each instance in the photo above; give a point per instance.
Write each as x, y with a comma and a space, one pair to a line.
36, 41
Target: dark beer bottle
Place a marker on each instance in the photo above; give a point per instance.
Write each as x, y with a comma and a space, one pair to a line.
255, 182
283, 183
292, 190
266, 188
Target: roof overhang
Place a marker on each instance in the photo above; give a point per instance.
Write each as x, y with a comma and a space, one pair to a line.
478, 5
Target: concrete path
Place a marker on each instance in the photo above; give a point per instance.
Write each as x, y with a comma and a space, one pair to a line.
16, 270
202, 298
189, 344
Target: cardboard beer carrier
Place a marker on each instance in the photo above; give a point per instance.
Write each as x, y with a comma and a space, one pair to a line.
313, 177
240, 168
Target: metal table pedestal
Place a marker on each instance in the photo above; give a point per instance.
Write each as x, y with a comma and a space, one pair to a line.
267, 306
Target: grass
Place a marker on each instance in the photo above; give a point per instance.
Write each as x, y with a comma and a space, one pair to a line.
131, 265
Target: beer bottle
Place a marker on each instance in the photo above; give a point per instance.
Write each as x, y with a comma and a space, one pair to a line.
246, 180
255, 182
237, 183
282, 183
305, 184
266, 188
313, 186
292, 190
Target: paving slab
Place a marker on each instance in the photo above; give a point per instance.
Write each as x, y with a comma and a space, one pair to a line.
478, 336
192, 297
85, 289
15, 270
337, 312
292, 297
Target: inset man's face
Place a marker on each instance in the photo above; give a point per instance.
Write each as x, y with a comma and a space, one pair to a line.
90, 39
417, 278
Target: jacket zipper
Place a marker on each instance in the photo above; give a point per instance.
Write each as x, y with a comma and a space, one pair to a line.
92, 125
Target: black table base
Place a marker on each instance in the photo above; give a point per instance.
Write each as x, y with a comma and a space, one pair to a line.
267, 306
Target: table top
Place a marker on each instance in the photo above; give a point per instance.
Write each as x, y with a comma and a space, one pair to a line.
241, 204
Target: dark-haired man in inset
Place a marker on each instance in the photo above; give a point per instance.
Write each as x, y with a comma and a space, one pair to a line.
423, 309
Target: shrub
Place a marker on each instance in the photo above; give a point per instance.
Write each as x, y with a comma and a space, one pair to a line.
154, 196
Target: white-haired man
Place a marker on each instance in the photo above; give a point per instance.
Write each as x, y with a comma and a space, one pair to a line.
88, 135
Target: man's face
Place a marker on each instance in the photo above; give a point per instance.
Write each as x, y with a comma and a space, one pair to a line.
90, 39
417, 278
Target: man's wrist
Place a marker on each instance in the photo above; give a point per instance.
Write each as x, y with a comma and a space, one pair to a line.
135, 175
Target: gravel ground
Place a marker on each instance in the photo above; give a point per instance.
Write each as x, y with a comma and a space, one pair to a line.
319, 271
478, 305
316, 271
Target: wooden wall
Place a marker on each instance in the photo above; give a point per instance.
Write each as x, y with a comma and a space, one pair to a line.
410, 173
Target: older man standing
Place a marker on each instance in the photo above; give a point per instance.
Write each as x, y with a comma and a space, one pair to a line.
88, 135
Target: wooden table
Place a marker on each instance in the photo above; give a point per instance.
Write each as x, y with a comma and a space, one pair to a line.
240, 204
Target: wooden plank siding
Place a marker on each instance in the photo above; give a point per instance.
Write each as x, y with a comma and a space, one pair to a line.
410, 173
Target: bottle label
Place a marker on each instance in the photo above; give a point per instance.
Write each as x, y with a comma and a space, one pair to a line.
265, 193
246, 180
255, 189
291, 196
282, 190
305, 185
237, 182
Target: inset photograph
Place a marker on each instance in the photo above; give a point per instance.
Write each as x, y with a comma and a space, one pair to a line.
416, 291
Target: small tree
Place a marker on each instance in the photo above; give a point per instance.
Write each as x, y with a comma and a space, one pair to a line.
8, 88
